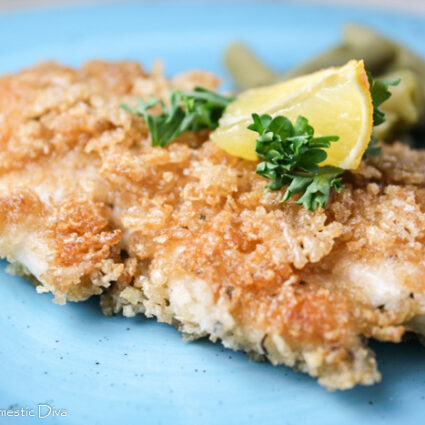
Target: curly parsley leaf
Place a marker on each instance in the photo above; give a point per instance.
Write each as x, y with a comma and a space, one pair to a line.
380, 93
187, 111
291, 157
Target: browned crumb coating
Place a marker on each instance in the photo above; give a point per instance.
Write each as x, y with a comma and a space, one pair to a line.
188, 235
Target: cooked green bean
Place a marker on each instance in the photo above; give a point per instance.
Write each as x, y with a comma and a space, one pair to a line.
245, 68
336, 56
357, 36
248, 71
384, 58
359, 43
405, 58
375, 59
407, 100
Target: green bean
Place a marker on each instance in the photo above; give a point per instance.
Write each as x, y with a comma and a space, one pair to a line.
407, 100
359, 43
248, 71
375, 59
383, 58
245, 68
358, 36
409, 60
336, 56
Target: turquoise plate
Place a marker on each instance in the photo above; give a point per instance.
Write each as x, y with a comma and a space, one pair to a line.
115, 370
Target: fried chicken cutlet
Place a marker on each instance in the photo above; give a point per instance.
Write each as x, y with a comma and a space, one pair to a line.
188, 235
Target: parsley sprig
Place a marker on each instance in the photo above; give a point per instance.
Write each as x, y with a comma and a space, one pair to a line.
290, 152
379, 90
380, 93
292, 156
187, 111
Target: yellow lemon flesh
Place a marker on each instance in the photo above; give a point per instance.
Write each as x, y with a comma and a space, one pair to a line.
336, 101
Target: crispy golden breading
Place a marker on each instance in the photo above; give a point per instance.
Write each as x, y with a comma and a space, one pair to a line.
188, 235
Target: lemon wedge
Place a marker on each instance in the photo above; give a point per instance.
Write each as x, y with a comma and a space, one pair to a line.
336, 101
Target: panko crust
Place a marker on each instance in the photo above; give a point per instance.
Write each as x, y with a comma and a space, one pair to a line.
187, 234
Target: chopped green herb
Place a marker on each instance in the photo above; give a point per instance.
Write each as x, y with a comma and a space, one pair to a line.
380, 93
187, 111
292, 156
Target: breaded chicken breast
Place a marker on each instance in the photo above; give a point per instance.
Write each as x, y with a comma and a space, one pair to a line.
188, 235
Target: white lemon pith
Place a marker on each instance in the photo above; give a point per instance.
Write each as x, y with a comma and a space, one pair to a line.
336, 101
